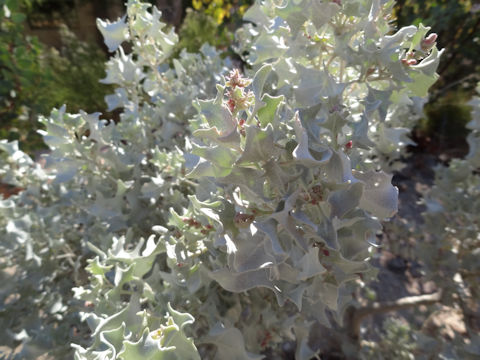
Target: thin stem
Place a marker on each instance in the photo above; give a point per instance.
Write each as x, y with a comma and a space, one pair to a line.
189, 182
441, 91
342, 69
330, 61
378, 78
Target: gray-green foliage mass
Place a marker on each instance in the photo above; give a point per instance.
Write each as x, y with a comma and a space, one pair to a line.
451, 250
100, 180
448, 246
237, 215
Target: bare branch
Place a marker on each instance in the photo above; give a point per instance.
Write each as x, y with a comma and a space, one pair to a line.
357, 315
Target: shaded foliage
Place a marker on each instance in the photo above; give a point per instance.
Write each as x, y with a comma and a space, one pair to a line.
35, 79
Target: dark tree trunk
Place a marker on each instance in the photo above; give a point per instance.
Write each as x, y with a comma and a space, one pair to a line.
172, 11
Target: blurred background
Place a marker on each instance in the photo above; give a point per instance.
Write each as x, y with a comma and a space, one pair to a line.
52, 54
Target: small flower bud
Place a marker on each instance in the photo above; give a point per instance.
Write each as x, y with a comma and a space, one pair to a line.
197, 225
427, 43
315, 195
349, 145
409, 62
235, 79
231, 105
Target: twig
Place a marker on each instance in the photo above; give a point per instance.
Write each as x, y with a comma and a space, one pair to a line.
357, 315
436, 94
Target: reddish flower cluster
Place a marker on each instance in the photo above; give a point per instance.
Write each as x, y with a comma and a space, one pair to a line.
409, 62
241, 126
243, 220
266, 339
238, 99
315, 195
235, 79
8, 190
205, 229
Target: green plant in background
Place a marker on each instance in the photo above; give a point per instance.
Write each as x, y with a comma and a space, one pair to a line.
446, 119
199, 28
76, 69
24, 78
221, 9
35, 79
213, 22
49, 12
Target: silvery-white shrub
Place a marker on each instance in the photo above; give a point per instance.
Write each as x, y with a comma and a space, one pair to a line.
259, 216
